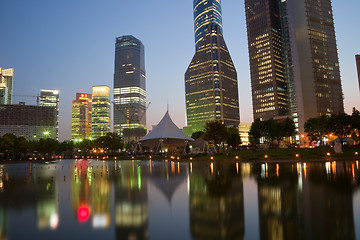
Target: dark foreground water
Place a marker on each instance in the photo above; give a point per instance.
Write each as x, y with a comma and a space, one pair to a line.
134, 200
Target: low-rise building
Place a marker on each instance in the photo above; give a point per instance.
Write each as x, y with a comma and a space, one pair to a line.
31, 122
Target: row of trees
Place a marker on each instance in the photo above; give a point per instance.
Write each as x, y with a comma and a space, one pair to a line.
272, 132
13, 147
217, 133
340, 125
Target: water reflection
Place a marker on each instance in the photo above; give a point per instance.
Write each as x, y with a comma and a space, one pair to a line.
216, 202
201, 200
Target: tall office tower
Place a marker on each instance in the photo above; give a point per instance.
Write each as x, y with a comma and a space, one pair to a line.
205, 13
6, 85
51, 98
357, 57
129, 84
100, 119
81, 117
309, 55
269, 88
211, 79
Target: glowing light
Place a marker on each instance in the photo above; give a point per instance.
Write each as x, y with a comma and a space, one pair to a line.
328, 154
54, 221
191, 158
266, 156
356, 153
297, 155
212, 168
191, 167
212, 158
237, 157
277, 169
83, 213
237, 167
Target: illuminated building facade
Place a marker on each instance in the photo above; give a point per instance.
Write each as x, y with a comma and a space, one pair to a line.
129, 84
50, 98
81, 117
211, 80
6, 85
305, 46
100, 119
269, 88
357, 57
206, 12
31, 122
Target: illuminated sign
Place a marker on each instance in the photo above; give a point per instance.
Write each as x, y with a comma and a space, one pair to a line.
84, 97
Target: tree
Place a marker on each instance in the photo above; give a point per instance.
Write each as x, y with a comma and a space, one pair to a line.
111, 141
355, 124
197, 135
256, 132
216, 132
340, 126
317, 128
234, 139
288, 128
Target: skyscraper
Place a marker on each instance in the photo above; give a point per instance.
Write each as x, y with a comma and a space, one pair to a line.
50, 98
129, 84
269, 88
357, 57
100, 119
205, 13
81, 117
211, 79
301, 39
6, 85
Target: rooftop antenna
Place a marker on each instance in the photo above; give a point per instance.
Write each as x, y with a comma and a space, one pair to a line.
167, 105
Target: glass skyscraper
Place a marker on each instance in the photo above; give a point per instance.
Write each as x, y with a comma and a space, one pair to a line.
50, 98
81, 117
206, 12
302, 50
129, 84
211, 80
100, 119
6, 85
269, 88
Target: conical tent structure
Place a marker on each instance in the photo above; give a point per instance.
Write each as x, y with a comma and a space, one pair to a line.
166, 135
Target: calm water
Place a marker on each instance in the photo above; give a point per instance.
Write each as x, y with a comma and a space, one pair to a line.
134, 200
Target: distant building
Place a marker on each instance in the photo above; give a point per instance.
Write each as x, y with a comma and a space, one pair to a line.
6, 85
244, 129
31, 122
211, 89
100, 119
129, 84
50, 98
358, 67
81, 117
293, 59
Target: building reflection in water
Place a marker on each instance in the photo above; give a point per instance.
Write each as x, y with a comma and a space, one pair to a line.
131, 203
216, 202
91, 193
305, 200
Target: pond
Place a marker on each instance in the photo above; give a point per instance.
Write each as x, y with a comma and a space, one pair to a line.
135, 200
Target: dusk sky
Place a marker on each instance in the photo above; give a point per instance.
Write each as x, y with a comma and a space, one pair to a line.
70, 45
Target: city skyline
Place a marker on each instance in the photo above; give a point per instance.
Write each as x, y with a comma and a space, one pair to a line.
64, 54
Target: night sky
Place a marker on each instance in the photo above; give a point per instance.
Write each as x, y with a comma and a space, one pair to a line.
69, 45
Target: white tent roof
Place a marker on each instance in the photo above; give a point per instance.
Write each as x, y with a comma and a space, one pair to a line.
166, 129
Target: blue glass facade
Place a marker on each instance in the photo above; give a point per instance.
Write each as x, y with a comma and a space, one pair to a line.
129, 84
206, 12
